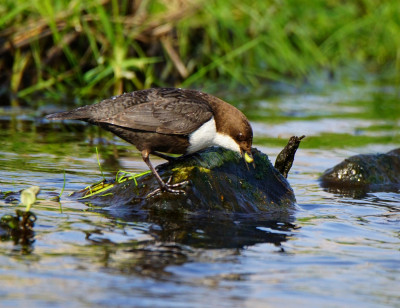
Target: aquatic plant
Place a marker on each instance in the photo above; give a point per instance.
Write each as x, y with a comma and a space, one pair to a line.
28, 196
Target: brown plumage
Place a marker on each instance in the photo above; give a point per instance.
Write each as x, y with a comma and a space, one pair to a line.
168, 120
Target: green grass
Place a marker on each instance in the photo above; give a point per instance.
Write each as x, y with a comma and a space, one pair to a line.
80, 50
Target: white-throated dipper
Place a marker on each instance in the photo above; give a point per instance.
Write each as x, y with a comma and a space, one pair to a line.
169, 120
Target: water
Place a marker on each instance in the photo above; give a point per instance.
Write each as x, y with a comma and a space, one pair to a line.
336, 252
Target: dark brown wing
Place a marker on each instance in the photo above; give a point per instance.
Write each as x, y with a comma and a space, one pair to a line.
165, 116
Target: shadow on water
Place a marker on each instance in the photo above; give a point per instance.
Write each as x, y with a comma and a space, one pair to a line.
160, 239
177, 240
213, 230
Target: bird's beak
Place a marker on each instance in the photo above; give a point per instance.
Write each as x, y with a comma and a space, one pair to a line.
248, 158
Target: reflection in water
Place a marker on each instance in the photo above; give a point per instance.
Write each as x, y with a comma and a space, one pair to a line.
215, 230
362, 191
176, 240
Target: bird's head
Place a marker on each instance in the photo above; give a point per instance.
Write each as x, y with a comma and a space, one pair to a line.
244, 140
234, 131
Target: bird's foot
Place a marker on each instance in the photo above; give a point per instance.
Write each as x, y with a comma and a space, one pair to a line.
168, 187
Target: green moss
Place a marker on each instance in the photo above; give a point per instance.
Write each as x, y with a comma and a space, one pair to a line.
225, 184
183, 173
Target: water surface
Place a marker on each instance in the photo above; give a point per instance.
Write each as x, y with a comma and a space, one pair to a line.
335, 251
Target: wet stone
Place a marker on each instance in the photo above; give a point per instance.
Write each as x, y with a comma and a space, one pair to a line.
219, 180
365, 172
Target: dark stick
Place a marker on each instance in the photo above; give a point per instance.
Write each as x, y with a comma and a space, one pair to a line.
284, 160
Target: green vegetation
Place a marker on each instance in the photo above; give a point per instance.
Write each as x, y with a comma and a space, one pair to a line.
19, 227
84, 49
331, 140
102, 186
28, 196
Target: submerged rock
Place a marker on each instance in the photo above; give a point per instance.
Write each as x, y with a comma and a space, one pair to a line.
219, 180
365, 172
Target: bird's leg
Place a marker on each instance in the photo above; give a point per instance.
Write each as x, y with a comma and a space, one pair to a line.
164, 156
163, 186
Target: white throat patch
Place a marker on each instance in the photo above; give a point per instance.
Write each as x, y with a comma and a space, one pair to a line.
207, 135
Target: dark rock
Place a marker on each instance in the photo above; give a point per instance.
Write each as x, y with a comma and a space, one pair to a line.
365, 172
219, 181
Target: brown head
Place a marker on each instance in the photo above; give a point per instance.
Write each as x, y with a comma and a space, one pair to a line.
233, 123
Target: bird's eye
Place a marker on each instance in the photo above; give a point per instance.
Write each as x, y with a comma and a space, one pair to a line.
241, 137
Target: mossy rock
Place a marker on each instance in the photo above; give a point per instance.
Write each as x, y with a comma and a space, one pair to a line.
365, 172
219, 180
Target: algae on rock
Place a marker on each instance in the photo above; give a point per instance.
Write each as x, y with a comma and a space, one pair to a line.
362, 173
219, 180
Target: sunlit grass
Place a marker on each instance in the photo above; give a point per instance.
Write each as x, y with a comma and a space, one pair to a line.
98, 189
97, 48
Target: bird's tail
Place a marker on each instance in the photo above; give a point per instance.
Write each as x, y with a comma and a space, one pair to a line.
76, 114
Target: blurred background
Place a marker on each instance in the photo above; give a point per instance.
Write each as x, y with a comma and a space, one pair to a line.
73, 51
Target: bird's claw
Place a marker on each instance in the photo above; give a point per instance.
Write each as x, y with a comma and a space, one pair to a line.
169, 188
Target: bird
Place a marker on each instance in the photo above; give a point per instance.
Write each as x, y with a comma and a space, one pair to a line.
169, 120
